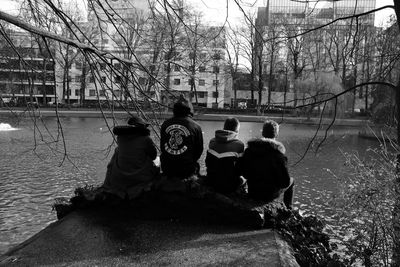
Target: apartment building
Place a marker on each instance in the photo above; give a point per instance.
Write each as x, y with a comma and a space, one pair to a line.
194, 65
26, 70
338, 49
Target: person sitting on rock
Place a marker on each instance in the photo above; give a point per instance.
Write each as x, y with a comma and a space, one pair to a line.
264, 166
223, 153
131, 168
181, 142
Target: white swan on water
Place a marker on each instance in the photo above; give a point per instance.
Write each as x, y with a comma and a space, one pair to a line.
6, 127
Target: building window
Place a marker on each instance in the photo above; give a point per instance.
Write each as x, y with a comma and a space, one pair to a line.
92, 92
177, 68
215, 82
103, 79
202, 82
177, 81
91, 79
142, 80
79, 65
215, 94
216, 56
190, 81
117, 79
78, 78
215, 69
69, 78
201, 94
102, 92
117, 66
202, 69
103, 66
77, 92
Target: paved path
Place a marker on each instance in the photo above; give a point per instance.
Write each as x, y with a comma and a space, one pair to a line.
90, 239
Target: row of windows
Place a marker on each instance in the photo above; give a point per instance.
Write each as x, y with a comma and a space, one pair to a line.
192, 55
215, 69
118, 66
78, 78
141, 80
92, 92
202, 82
117, 93
102, 66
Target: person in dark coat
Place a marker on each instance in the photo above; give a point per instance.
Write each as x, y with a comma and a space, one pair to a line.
223, 153
131, 168
264, 166
181, 142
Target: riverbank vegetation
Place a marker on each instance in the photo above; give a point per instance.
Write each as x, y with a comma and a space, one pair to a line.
364, 206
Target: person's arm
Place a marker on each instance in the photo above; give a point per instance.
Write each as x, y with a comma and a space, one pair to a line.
198, 144
239, 166
207, 154
151, 149
162, 137
284, 180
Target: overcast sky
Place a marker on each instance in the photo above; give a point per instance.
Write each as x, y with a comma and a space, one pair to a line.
215, 10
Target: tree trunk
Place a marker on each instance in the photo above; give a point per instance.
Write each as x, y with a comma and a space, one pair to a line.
271, 63
260, 85
83, 84
396, 209
44, 82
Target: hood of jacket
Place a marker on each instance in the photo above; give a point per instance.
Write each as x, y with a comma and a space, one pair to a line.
224, 136
263, 145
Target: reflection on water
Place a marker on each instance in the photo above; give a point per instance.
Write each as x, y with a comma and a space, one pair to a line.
31, 175
6, 127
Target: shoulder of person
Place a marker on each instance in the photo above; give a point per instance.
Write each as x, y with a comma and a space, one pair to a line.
127, 130
241, 144
212, 141
266, 143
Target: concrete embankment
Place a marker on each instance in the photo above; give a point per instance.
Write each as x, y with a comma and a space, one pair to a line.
90, 238
199, 116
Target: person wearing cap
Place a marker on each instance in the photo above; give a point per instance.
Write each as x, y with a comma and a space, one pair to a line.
181, 142
131, 168
223, 153
264, 165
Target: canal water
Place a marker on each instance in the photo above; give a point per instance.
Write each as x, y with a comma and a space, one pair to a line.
36, 166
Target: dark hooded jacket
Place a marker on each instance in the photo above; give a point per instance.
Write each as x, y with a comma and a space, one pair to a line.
131, 168
222, 155
181, 146
264, 165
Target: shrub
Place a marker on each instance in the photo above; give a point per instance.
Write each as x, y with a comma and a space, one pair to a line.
364, 206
